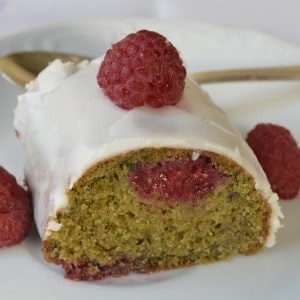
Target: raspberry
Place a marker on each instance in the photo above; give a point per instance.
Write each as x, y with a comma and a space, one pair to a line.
15, 210
143, 68
279, 156
175, 181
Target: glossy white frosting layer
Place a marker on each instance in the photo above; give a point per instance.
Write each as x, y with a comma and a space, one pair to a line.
67, 125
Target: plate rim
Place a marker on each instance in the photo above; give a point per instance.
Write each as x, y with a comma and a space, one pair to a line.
46, 27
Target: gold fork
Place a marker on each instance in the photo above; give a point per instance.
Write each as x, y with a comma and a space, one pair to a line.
23, 67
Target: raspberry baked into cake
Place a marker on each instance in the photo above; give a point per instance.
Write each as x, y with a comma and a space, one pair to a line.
133, 168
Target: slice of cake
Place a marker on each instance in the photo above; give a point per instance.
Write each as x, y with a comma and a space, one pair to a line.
126, 185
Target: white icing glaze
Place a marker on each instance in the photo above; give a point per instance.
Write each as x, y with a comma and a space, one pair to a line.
67, 125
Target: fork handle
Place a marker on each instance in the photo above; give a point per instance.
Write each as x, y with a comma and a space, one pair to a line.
271, 73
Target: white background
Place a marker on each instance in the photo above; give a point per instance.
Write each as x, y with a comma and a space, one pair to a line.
279, 17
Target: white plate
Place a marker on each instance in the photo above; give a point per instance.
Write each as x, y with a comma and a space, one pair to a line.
273, 274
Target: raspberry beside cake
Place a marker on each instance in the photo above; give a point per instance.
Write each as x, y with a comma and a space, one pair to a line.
140, 190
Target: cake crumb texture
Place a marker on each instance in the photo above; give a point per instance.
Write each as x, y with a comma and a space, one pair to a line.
108, 231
